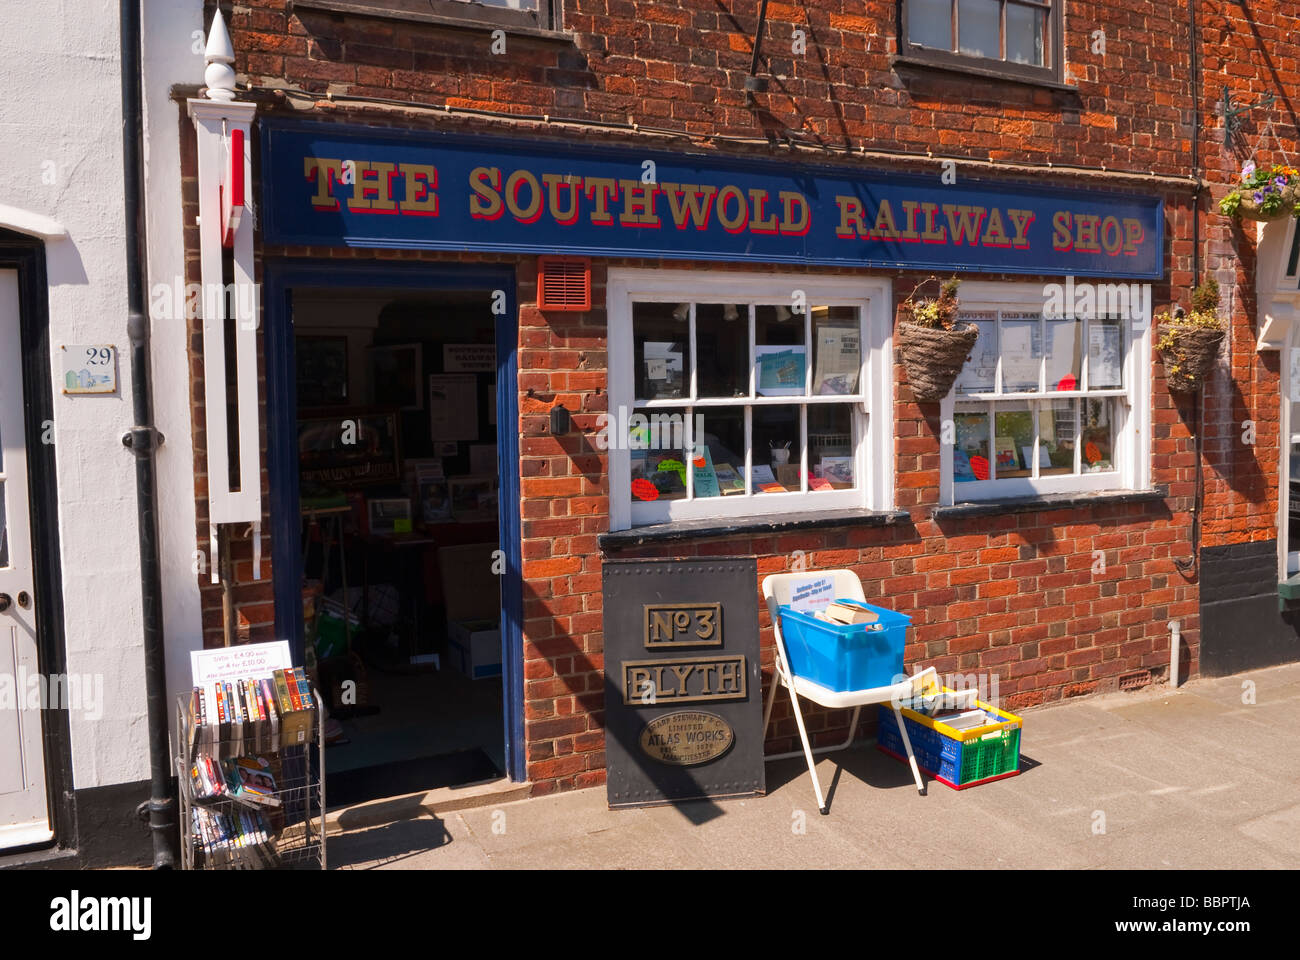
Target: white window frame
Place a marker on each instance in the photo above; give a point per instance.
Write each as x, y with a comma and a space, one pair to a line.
873, 451
1133, 429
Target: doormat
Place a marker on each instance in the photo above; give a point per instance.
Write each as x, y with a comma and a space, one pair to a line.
347, 787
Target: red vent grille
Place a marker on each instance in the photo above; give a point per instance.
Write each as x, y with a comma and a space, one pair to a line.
563, 283
1135, 680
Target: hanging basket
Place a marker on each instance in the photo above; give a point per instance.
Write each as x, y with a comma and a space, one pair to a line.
1249, 209
1192, 356
933, 357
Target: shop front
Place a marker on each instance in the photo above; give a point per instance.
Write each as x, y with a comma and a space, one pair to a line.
558, 354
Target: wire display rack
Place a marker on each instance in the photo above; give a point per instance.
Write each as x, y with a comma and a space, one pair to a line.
225, 833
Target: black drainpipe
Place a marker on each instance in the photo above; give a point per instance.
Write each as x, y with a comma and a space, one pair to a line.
142, 440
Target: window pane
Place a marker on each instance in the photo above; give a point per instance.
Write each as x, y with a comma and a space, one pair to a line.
1099, 435
978, 24
719, 452
660, 348
1056, 433
837, 350
1013, 440
781, 354
970, 452
1025, 29
929, 23
1064, 354
830, 447
978, 376
722, 340
656, 439
1022, 352
1105, 354
777, 448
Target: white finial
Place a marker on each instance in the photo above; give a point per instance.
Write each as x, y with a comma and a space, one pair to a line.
219, 55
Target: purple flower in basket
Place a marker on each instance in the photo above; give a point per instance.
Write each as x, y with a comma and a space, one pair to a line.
1248, 170
1259, 197
1280, 181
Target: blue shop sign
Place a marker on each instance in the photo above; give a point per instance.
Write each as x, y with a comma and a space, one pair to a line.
325, 184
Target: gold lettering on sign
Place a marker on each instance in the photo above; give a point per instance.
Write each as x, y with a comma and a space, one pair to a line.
686, 738
684, 680
683, 625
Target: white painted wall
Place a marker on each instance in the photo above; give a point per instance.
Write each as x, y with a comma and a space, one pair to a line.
61, 150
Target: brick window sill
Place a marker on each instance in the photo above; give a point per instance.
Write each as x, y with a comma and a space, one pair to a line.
688, 530
359, 8
1053, 501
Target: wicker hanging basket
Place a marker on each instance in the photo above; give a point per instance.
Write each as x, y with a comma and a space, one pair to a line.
932, 356
1191, 358
1249, 209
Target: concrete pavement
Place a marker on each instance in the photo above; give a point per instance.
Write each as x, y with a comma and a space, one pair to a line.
1198, 777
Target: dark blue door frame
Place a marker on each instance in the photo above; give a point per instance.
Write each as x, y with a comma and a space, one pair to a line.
280, 278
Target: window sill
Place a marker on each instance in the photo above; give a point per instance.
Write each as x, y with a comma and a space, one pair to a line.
711, 529
359, 8
988, 73
1051, 501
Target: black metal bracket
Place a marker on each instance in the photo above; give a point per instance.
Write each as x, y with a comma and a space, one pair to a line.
1232, 114
754, 83
142, 441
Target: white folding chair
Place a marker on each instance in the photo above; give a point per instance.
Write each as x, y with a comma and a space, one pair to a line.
776, 590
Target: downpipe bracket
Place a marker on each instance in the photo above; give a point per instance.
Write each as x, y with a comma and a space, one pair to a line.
143, 441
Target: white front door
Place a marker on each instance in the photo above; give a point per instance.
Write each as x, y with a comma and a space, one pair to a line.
24, 813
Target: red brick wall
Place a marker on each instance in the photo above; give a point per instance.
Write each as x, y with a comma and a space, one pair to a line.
1014, 594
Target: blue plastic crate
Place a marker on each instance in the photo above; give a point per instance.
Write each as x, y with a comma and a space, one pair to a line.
841, 657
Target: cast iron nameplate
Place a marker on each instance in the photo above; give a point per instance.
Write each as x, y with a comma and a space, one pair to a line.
683, 717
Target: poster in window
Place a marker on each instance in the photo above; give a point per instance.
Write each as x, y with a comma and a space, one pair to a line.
780, 370
348, 449
322, 370
396, 376
978, 376
469, 357
1104, 350
453, 406
664, 370
1022, 352
838, 360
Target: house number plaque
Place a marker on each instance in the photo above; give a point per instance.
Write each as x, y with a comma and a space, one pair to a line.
683, 712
